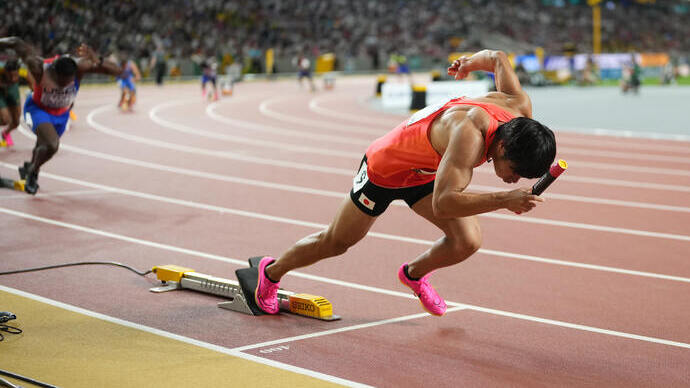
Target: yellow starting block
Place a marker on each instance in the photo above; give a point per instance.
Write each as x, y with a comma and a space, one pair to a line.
11, 184
241, 294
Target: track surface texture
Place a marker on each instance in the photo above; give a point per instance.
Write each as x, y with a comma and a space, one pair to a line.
592, 288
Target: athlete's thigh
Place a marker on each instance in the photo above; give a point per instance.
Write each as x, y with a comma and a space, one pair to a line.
46, 133
463, 227
350, 224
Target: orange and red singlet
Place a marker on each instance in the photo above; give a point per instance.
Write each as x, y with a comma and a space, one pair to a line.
404, 156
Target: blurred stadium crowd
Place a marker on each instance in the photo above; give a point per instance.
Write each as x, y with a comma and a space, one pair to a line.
362, 33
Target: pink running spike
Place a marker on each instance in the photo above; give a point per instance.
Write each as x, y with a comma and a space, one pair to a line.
8, 139
428, 297
266, 293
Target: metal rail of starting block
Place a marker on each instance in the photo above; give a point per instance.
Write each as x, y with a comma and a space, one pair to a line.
174, 277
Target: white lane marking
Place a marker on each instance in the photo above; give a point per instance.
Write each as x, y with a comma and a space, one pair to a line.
575, 198
483, 169
337, 194
282, 131
315, 107
323, 124
264, 108
578, 327
623, 183
458, 306
385, 236
624, 155
309, 167
600, 201
626, 145
625, 167
343, 329
205, 152
561, 223
461, 307
181, 338
241, 139
623, 133
71, 193
600, 228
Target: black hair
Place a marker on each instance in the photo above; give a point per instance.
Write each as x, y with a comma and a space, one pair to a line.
530, 145
12, 65
65, 66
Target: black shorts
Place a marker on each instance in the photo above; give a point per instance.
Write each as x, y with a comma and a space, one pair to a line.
374, 200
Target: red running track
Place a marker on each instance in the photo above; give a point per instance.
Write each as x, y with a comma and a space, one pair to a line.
590, 289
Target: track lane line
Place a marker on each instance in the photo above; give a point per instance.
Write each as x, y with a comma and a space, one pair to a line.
184, 339
385, 236
457, 306
153, 116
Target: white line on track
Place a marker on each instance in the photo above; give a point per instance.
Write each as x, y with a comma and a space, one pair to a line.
361, 118
594, 165
459, 306
241, 139
348, 173
264, 109
581, 179
282, 131
624, 183
205, 152
608, 154
180, 338
308, 224
226, 178
626, 144
624, 133
600, 201
72, 193
342, 329
533, 220
512, 217
624, 155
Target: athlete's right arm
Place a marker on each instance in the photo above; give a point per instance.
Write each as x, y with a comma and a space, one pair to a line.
33, 62
497, 62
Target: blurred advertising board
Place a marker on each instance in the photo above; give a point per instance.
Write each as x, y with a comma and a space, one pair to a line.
399, 94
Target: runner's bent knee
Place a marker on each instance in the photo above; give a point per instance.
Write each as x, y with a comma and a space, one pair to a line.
465, 243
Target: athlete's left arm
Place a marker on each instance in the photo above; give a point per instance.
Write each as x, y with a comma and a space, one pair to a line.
90, 62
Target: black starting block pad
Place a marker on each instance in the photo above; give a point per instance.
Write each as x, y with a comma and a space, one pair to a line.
12, 184
248, 279
254, 261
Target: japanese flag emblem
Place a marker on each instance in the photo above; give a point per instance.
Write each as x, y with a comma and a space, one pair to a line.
369, 204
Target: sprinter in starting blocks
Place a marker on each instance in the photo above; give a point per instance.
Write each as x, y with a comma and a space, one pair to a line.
240, 292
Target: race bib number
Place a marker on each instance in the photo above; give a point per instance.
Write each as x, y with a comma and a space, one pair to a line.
360, 179
57, 98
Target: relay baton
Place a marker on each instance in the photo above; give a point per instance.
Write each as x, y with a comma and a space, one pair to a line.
550, 176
